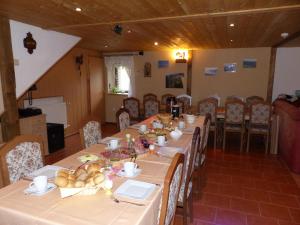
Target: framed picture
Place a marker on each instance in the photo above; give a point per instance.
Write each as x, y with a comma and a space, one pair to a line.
174, 80
210, 71
147, 69
230, 67
163, 63
249, 63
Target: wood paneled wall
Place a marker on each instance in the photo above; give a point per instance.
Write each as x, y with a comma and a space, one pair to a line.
64, 79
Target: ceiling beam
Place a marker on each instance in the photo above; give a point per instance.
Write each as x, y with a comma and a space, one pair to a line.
189, 16
288, 39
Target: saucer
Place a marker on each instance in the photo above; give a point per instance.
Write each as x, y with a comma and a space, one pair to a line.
161, 145
113, 149
122, 173
33, 191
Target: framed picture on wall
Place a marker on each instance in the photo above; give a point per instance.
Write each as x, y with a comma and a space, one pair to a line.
147, 69
249, 63
163, 63
210, 71
230, 67
174, 80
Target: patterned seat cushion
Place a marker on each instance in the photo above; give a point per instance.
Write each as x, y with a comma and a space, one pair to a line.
181, 193
91, 133
25, 158
207, 107
133, 108
151, 108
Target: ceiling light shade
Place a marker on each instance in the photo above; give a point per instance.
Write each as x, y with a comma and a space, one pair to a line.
78, 9
181, 55
231, 25
156, 43
284, 35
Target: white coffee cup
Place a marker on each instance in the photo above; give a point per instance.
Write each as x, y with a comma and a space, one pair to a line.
113, 144
161, 140
143, 128
181, 124
130, 168
40, 184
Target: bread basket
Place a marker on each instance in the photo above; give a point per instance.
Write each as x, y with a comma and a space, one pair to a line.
165, 118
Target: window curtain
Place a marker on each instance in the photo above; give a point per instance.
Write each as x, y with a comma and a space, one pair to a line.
128, 63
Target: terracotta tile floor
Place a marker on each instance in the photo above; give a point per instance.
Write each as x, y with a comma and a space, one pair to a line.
246, 189
240, 189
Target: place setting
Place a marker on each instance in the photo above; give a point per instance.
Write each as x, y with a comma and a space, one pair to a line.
39, 186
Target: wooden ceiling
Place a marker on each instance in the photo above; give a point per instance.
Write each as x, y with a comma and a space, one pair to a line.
191, 24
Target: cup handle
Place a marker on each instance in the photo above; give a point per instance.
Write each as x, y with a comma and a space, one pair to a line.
31, 184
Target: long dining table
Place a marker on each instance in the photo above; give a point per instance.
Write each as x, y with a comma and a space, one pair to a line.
16, 208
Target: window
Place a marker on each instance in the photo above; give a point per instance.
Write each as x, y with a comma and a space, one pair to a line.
122, 80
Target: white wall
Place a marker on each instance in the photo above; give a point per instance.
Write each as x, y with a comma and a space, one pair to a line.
51, 46
287, 71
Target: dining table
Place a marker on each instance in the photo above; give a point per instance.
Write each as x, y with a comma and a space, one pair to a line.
17, 208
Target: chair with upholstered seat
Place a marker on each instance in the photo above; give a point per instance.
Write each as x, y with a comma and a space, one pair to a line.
149, 96
171, 190
210, 105
234, 120
20, 157
259, 123
123, 119
185, 101
90, 134
235, 97
133, 106
185, 199
151, 107
253, 99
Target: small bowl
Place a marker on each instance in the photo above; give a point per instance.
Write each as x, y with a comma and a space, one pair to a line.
175, 134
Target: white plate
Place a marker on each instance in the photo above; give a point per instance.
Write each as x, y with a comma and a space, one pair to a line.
108, 139
88, 157
32, 190
122, 173
49, 171
135, 189
108, 148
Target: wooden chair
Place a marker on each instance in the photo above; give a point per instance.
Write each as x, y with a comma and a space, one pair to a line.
234, 97
151, 107
123, 119
210, 106
253, 99
259, 123
185, 199
171, 190
149, 96
185, 101
133, 106
90, 134
234, 120
20, 157
165, 103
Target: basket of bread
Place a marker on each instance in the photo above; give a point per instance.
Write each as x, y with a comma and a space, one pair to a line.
82, 181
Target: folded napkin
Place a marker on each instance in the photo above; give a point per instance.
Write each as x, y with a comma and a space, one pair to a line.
135, 126
169, 151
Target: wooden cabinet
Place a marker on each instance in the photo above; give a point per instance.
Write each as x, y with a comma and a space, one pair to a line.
35, 125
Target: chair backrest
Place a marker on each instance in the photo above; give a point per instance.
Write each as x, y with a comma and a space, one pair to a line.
149, 96
165, 97
171, 190
253, 99
235, 97
206, 127
20, 157
208, 105
123, 119
234, 112
187, 99
260, 113
189, 165
90, 134
133, 106
151, 107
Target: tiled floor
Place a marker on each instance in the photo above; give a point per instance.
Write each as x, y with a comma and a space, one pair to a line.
247, 189
240, 189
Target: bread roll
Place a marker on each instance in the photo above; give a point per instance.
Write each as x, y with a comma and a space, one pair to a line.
90, 182
82, 177
93, 167
71, 184
79, 184
72, 177
98, 178
79, 171
61, 181
62, 173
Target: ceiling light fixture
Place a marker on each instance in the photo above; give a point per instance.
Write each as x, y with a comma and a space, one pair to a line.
156, 43
78, 9
231, 40
284, 35
231, 25
105, 46
129, 31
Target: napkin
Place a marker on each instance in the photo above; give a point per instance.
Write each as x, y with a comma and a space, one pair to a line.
169, 151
